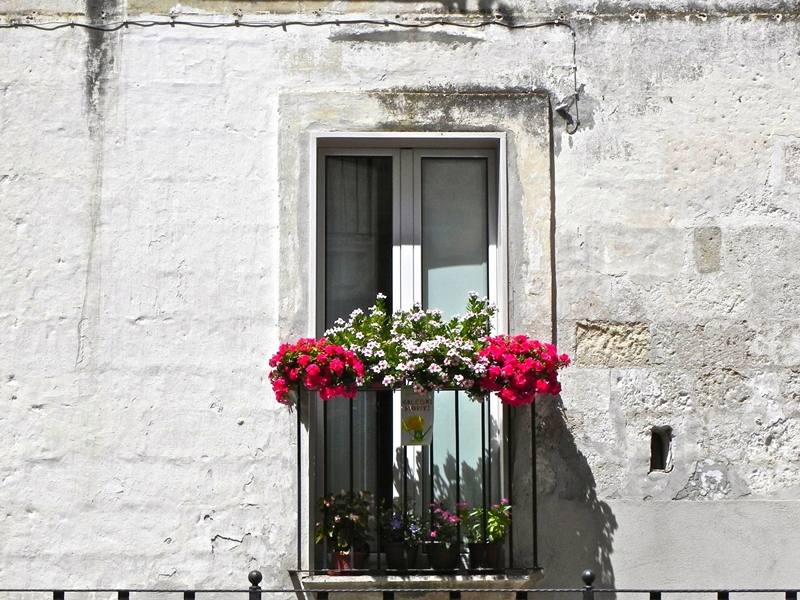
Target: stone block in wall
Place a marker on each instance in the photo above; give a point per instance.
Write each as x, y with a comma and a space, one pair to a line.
585, 296
717, 342
768, 249
642, 252
612, 344
776, 297
707, 249
775, 343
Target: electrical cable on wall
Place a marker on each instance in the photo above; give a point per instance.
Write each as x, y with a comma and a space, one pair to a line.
562, 108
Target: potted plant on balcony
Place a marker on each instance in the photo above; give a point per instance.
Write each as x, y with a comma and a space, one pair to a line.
401, 532
345, 523
443, 550
485, 530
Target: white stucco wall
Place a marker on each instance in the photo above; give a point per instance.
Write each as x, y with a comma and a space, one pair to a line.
143, 218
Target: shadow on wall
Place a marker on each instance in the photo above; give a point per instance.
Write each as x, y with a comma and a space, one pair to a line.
576, 528
485, 7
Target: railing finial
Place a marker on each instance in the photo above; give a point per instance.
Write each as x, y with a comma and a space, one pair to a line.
588, 578
255, 578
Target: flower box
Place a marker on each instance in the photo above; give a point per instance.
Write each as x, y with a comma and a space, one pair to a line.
418, 348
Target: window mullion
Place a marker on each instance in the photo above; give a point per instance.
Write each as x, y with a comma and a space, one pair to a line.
397, 232
416, 173
403, 278
409, 231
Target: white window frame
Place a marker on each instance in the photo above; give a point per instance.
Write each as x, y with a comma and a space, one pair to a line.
387, 144
405, 147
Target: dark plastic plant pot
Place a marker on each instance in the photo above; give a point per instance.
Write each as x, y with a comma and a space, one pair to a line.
401, 557
486, 557
443, 558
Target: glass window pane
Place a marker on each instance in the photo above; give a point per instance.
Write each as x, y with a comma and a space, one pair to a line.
350, 452
454, 231
358, 232
454, 263
358, 254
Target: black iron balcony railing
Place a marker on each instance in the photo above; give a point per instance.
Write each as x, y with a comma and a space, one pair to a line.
256, 592
494, 444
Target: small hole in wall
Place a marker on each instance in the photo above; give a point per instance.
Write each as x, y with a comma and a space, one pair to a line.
660, 448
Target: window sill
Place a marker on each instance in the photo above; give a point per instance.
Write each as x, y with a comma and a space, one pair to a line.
458, 581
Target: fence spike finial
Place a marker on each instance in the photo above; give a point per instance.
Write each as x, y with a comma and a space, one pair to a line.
255, 577
588, 578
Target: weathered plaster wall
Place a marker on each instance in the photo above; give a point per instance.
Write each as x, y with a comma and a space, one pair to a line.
143, 209
673, 293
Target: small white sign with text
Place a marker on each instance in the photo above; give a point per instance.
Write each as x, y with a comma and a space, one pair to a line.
416, 417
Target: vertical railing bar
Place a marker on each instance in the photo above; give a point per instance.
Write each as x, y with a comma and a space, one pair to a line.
188, 595
58, 594
430, 469
790, 595
405, 489
490, 480
723, 595
655, 595
352, 468
508, 421
484, 503
521, 595
534, 491
299, 475
458, 458
123, 595
325, 491
489, 446
377, 401
351, 409
405, 484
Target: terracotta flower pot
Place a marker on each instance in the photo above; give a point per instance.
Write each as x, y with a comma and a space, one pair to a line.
345, 562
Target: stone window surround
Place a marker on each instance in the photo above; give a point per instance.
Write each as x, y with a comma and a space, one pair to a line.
523, 121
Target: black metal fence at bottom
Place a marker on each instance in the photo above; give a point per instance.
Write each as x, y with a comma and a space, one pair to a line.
319, 592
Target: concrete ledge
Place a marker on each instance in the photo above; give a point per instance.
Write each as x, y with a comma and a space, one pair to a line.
422, 582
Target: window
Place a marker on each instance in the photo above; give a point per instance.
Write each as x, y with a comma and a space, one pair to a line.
418, 220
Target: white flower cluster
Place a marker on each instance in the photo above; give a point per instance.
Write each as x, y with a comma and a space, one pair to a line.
417, 347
